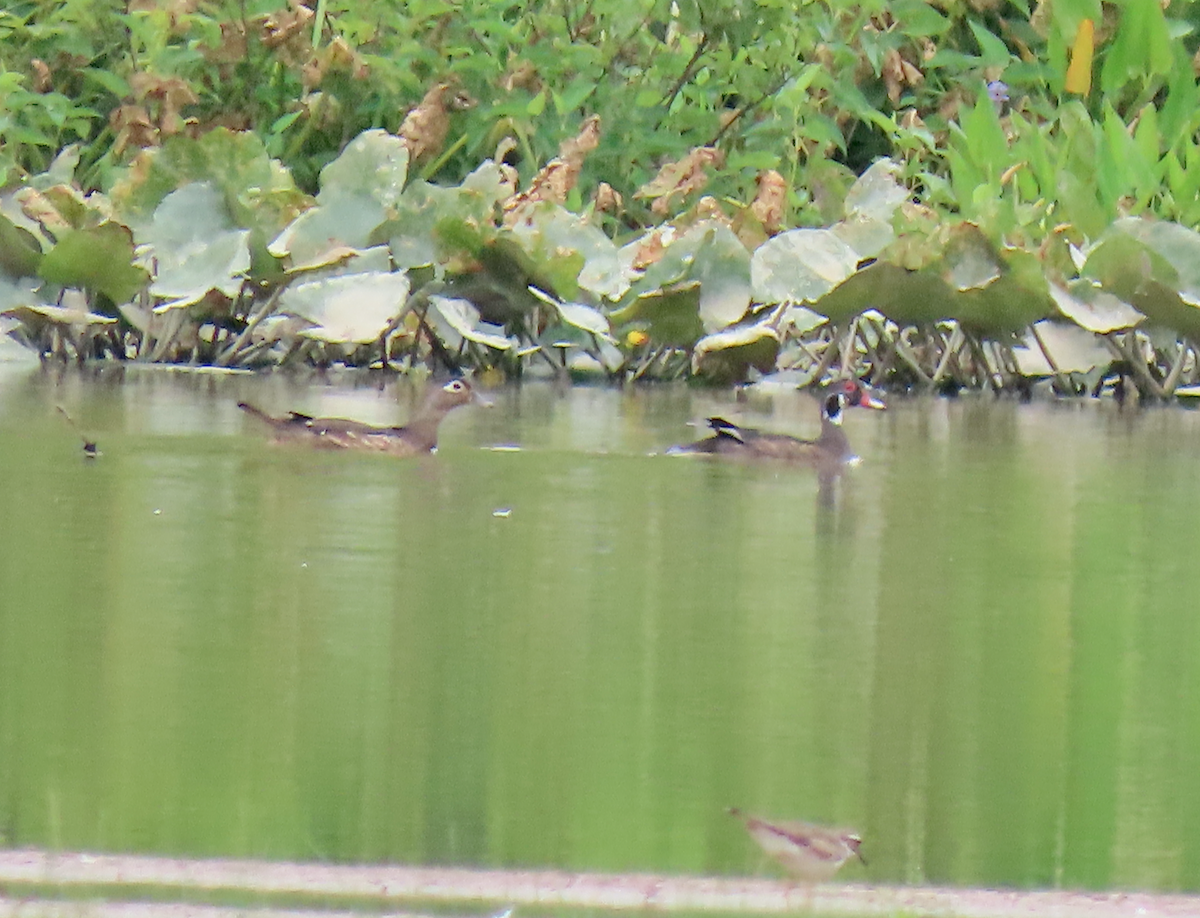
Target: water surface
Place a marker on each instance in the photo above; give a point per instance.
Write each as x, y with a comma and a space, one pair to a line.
982, 653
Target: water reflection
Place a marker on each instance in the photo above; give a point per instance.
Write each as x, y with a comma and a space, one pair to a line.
980, 653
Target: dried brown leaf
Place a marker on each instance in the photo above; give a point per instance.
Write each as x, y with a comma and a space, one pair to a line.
41, 75
133, 128
707, 209
576, 148
425, 128
335, 57
556, 179
607, 200
281, 28
679, 179
42, 210
770, 201
912, 74
911, 121
652, 247
521, 75
232, 47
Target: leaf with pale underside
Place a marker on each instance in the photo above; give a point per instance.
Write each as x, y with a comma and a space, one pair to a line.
800, 266
463, 318
195, 245
350, 309
1094, 309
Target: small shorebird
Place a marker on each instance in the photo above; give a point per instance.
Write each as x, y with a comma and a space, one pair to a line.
808, 852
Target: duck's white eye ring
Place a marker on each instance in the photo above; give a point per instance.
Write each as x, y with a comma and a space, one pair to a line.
455, 385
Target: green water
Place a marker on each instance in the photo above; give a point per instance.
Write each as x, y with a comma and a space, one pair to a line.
983, 653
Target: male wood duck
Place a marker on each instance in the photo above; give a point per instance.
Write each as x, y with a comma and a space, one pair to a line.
808, 852
418, 436
830, 448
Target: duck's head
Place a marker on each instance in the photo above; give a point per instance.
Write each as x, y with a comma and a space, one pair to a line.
453, 393
834, 405
859, 395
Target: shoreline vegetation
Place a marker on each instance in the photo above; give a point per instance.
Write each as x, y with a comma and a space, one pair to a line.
82, 884
932, 196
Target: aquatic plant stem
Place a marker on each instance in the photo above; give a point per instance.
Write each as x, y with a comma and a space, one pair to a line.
1064, 385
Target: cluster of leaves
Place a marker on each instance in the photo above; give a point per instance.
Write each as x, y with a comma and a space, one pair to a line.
1000, 189
816, 92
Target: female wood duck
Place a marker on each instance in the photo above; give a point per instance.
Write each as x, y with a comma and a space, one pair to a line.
808, 852
418, 436
830, 448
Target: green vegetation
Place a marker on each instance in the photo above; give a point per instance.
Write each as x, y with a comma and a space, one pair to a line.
609, 186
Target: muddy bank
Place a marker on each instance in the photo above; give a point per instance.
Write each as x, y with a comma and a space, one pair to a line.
475, 890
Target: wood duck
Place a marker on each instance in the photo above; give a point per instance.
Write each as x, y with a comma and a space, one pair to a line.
418, 436
831, 447
808, 852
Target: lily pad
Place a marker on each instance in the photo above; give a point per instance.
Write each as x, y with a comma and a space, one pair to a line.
800, 266
257, 189
1094, 309
20, 253
1011, 291
22, 291
350, 309
57, 315
99, 259
463, 318
549, 232
671, 314
877, 193
373, 165
904, 296
196, 246
411, 229
728, 355
1074, 349
337, 227
712, 259
1155, 267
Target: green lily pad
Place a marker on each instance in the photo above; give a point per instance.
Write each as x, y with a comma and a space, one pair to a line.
195, 245
866, 235
374, 165
671, 315
258, 191
349, 309
708, 257
20, 253
549, 232
906, 297
461, 316
1011, 291
1074, 349
57, 315
1155, 267
800, 266
21, 291
99, 259
1094, 309
411, 228
876, 193
337, 227
728, 355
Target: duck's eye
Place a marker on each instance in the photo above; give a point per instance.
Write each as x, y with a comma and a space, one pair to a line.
455, 386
